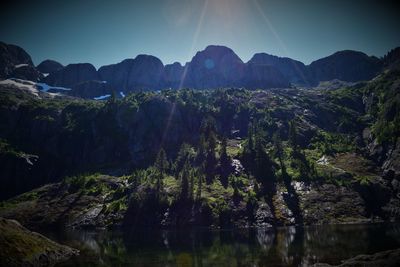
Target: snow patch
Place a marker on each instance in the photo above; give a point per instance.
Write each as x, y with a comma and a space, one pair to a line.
122, 94
22, 84
20, 66
323, 160
101, 97
44, 87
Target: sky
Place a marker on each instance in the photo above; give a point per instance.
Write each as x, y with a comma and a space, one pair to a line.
106, 32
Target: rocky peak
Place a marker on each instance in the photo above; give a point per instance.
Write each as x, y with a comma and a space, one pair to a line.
49, 66
345, 65
294, 71
11, 56
72, 74
216, 66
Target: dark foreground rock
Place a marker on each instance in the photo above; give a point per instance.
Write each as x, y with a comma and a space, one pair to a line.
21, 247
388, 258
95, 201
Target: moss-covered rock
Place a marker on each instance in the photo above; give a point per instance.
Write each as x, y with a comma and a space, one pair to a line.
21, 247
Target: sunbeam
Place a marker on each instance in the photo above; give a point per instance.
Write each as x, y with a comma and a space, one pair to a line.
278, 39
194, 41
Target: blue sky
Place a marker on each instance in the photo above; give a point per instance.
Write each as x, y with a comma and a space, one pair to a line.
106, 32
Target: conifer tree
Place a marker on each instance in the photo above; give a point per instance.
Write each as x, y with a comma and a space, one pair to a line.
160, 164
225, 163
184, 195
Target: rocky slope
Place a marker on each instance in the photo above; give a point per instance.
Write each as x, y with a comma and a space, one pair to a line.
21, 247
341, 173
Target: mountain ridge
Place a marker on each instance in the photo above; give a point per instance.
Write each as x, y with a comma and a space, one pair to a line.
214, 67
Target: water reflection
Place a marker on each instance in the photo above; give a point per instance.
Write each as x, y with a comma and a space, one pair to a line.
288, 246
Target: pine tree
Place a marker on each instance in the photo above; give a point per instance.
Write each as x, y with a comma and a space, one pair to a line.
160, 164
185, 181
263, 165
225, 163
211, 160
279, 153
186, 153
199, 185
293, 136
250, 133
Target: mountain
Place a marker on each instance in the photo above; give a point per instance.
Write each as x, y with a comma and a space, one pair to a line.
294, 71
142, 73
11, 56
71, 75
392, 59
49, 66
213, 67
347, 65
263, 76
15, 62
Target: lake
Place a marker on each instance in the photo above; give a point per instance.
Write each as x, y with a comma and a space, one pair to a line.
283, 246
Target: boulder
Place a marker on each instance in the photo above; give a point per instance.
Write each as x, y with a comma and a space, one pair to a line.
21, 247
388, 258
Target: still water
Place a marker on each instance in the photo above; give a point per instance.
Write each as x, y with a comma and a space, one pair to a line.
286, 246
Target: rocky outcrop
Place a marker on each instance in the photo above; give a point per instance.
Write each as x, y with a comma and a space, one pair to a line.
49, 66
10, 57
391, 166
71, 75
26, 72
21, 247
347, 65
388, 258
96, 201
142, 73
